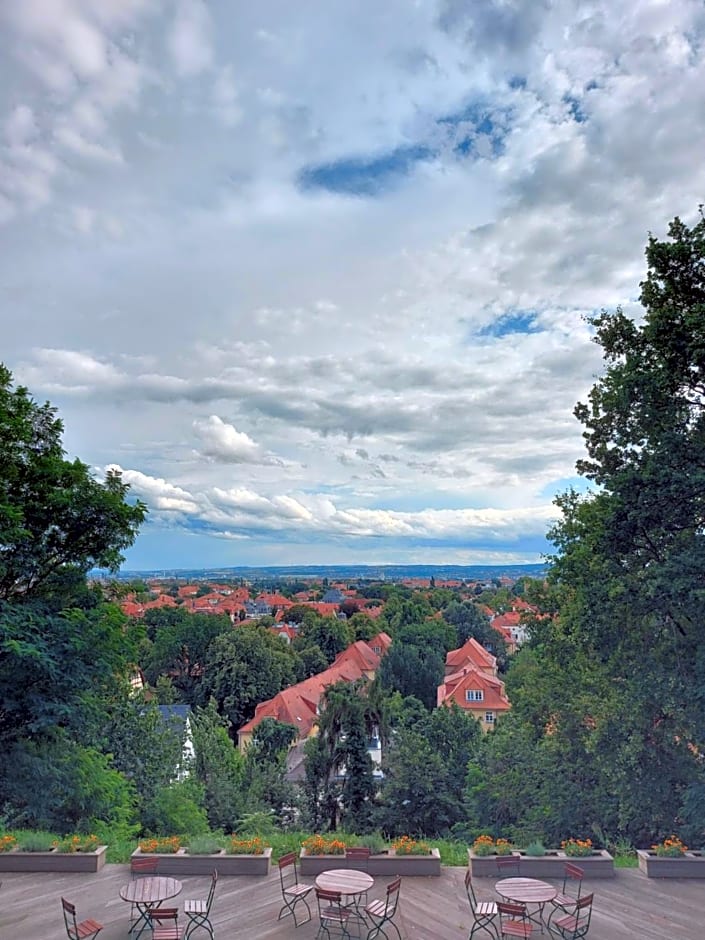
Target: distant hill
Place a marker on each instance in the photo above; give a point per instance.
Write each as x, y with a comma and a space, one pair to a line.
347, 572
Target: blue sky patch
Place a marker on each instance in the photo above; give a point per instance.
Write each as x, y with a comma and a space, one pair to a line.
517, 321
359, 176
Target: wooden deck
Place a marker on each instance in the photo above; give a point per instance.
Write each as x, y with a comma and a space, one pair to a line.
626, 907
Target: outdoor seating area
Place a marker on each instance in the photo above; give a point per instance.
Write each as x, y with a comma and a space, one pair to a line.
623, 907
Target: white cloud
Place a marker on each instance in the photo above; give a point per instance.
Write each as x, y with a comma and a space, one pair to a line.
190, 39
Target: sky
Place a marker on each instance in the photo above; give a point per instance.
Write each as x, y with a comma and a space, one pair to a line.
315, 276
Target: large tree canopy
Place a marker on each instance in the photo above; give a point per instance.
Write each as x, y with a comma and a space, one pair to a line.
53, 513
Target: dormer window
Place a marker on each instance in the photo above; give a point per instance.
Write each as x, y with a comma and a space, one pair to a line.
474, 695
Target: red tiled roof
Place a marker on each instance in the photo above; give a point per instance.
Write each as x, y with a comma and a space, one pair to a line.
455, 686
471, 653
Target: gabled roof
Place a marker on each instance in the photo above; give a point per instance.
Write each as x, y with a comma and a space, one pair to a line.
471, 653
455, 686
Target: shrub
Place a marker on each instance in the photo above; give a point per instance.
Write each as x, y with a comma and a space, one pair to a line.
672, 847
486, 845
577, 848
322, 845
177, 808
405, 845
163, 845
207, 844
251, 846
38, 841
535, 850
78, 844
374, 842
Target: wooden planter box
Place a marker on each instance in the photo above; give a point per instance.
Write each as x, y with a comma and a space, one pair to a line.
689, 865
181, 863
389, 864
17, 860
551, 865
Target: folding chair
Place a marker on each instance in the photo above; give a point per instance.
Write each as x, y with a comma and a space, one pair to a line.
198, 911
382, 912
508, 865
574, 925
82, 930
332, 914
513, 920
360, 855
484, 913
164, 923
142, 868
293, 891
570, 892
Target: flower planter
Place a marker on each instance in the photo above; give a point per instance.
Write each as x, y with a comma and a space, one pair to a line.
16, 860
551, 865
688, 865
388, 863
182, 863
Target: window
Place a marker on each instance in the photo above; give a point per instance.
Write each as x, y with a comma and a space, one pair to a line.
474, 695
489, 718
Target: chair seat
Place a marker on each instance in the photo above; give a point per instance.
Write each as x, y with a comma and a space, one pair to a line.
168, 933
564, 900
298, 890
376, 908
341, 914
198, 906
569, 922
516, 929
486, 909
87, 928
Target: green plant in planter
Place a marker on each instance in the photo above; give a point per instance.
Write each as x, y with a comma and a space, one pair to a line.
405, 845
247, 846
535, 850
72, 844
38, 841
374, 842
204, 845
577, 848
672, 847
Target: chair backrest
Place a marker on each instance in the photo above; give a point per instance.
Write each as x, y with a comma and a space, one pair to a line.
393, 889
211, 893
70, 918
469, 890
287, 870
572, 873
583, 912
508, 863
327, 900
140, 867
511, 910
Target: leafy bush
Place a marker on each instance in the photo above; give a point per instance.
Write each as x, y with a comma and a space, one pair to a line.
39, 841
486, 845
78, 843
672, 847
405, 845
207, 844
535, 850
322, 845
373, 841
164, 845
252, 846
177, 808
577, 848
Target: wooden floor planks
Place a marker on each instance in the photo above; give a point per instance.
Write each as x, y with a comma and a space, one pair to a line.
626, 907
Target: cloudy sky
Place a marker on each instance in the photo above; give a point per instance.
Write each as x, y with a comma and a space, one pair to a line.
314, 275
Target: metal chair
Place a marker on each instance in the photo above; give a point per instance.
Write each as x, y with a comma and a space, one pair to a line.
164, 923
332, 913
293, 891
142, 868
570, 892
513, 920
508, 865
359, 854
574, 925
382, 912
82, 930
484, 913
198, 911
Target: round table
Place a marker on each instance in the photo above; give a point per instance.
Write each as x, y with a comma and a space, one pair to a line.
351, 883
148, 892
528, 891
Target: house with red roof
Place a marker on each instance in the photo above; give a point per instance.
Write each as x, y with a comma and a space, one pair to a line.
298, 705
471, 655
477, 692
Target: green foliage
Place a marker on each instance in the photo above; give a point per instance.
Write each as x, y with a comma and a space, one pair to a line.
220, 768
177, 807
207, 844
469, 621
37, 841
535, 849
413, 671
329, 634
245, 667
53, 513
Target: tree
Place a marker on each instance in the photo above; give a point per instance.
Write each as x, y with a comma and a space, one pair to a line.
53, 513
412, 670
469, 622
220, 768
329, 634
246, 667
